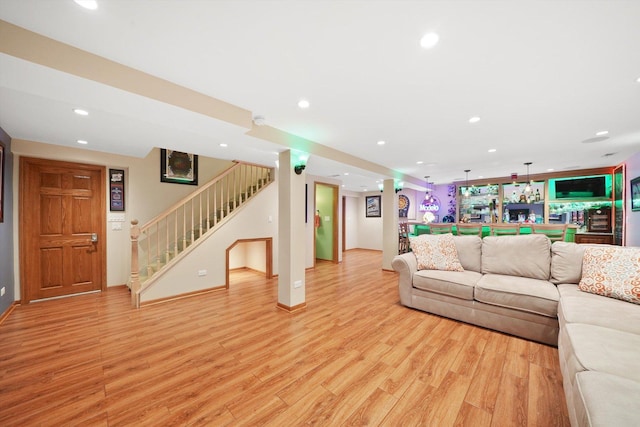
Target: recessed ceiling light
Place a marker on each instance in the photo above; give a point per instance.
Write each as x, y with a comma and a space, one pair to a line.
602, 133
492, 150
82, 141
480, 176
223, 145
550, 170
346, 173
303, 103
429, 40
381, 142
80, 112
638, 80
88, 4
419, 162
474, 119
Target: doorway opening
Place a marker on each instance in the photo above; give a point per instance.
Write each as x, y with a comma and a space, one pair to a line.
254, 255
326, 241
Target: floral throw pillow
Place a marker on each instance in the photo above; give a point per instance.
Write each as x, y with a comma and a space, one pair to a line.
612, 271
435, 252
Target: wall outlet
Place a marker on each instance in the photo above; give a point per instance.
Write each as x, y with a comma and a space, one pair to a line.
202, 273
2, 291
297, 284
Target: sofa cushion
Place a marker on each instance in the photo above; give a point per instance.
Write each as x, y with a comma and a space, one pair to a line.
566, 262
581, 307
457, 284
469, 252
435, 252
521, 256
519, 293
596, 348
605, 400
612, 272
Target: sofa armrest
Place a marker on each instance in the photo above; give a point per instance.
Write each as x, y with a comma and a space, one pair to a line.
406, 265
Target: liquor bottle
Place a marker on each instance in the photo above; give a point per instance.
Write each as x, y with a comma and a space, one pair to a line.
537, 195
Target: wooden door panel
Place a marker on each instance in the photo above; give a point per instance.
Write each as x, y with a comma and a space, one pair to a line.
62, 204
51, 262
50, 180
82, 273
51, 221
80, 221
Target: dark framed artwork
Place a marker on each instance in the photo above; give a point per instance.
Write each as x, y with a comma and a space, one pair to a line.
116, 190
1, 182
635, 194
373, 206
178, 167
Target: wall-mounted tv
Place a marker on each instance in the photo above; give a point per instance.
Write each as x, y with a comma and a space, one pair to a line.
579, 188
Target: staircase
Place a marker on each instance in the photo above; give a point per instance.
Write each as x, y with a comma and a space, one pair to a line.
170, 236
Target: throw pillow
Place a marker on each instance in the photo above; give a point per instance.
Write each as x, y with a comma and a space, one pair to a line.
612, 271
435, 252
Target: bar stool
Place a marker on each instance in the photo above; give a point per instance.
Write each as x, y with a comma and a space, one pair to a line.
506, 229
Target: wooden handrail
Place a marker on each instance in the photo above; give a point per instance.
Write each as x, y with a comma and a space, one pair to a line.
191, 195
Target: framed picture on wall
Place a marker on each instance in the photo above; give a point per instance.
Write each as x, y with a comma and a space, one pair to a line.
635, 194
1, 182
178, 167
373, 206
116, 190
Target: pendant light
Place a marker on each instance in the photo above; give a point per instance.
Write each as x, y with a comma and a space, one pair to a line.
527, 188
428, 195
467, 192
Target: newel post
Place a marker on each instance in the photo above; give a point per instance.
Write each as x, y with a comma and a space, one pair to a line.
135, 275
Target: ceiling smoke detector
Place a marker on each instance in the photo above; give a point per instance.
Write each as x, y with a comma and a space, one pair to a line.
259, 120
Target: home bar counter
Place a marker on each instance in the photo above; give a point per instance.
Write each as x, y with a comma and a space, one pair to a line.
423, 228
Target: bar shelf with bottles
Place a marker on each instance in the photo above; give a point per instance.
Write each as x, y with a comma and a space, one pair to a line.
523, 202
478, 203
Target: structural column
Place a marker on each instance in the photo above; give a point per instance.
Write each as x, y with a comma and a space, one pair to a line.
291, 234
389, 224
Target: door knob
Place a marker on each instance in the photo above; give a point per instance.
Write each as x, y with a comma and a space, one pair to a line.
94, 237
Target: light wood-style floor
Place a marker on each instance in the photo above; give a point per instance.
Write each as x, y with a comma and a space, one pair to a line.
355, 356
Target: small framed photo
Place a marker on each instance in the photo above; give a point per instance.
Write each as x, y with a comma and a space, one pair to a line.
178, 167
116, 190
373, 206
635, 194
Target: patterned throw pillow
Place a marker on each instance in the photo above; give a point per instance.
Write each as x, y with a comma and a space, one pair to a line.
435, 252
612, 271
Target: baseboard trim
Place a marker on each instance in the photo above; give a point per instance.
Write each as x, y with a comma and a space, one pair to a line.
8, 311
292, 309
182, 296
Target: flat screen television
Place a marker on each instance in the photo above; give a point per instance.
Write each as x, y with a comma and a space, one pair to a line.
578, 188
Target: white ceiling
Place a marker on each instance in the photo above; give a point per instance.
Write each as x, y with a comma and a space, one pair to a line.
543, 76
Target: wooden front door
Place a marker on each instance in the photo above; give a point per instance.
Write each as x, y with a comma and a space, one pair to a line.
62, 228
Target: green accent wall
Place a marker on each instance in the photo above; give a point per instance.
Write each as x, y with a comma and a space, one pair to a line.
324, 233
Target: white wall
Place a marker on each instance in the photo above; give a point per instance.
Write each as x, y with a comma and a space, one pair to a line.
370, 229
632, 229
352, 222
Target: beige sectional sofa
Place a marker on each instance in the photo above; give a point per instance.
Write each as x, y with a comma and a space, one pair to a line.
523, 285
